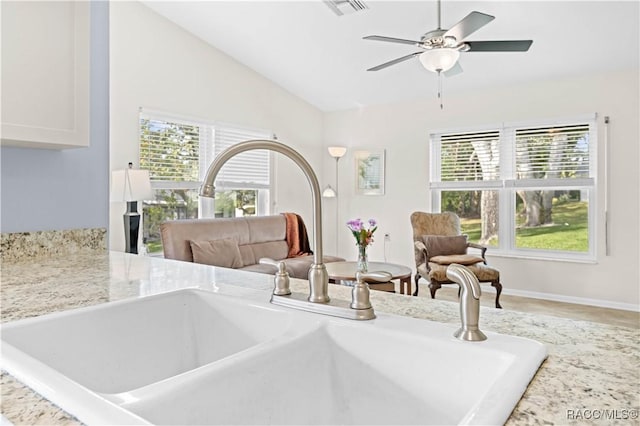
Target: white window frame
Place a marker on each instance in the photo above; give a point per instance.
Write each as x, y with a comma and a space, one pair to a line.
508, 184
206, 206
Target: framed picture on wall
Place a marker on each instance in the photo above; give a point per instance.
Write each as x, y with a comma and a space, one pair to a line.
369, 167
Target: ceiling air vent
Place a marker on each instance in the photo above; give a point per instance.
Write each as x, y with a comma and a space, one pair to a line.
343, 7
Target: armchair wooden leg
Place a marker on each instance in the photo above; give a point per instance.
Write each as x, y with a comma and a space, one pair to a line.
433, 287
498, 287
416, 279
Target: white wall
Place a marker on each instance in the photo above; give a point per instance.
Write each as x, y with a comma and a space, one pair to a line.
403, 128
155, 64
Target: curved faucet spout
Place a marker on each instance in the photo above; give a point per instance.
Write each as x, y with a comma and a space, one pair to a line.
318, 277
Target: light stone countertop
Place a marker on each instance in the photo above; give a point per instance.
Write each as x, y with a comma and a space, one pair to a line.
590, 366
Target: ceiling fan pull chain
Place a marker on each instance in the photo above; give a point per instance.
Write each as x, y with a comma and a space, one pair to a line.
440, 88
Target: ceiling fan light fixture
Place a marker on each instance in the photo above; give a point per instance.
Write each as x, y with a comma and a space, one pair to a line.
439, 60
449, 41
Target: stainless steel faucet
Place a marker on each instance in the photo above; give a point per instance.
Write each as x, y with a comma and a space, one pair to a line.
469, 302
318, 299
318, 277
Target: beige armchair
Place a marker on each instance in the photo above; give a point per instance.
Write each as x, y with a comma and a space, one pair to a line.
438, 242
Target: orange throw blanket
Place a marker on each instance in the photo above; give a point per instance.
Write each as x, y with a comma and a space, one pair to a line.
297, 237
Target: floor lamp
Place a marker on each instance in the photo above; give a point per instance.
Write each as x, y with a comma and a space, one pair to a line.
336, 152
129, 186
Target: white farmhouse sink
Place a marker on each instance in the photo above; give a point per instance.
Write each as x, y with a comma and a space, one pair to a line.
193, 357
117, 347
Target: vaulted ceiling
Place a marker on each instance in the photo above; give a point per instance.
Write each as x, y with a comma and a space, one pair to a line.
310, 51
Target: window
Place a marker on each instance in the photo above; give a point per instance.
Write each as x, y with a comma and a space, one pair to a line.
522, 189
178, 151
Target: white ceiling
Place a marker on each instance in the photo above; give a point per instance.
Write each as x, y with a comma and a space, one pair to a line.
321, 57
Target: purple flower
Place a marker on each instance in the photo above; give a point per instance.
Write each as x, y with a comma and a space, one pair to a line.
355, 225
363, 236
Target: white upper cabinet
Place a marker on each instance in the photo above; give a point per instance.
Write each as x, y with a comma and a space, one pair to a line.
45, 74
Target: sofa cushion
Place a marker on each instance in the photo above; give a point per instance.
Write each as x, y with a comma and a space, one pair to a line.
276, 250
265, 228
438, 245
297, 267
483, 272
176, 234
223, 252
461, 259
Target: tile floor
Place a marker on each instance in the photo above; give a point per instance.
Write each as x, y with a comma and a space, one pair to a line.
545, 307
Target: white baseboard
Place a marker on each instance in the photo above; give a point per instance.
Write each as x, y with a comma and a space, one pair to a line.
566, 299
560, 298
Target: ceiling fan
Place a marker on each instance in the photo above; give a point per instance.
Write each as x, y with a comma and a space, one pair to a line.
441, 47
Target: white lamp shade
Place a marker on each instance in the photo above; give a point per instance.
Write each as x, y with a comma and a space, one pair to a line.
329, 192
130, 185
442, 59
337, 151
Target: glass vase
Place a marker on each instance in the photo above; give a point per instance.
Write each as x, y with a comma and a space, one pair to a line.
362, 265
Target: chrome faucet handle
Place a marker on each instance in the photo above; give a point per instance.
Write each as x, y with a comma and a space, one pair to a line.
281, 279
360, 293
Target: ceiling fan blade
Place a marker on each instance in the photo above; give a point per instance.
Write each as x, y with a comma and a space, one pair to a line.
392, 40
395, 61
499, 46
468, 25
455, 70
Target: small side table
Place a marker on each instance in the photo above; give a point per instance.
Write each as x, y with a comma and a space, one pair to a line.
346, 271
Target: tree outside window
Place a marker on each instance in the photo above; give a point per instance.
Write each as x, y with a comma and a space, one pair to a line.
177, 152
519, 188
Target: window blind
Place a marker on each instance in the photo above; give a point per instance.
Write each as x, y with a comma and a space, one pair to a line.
178, 151
555, 155
558, 152
169, 150
248, 170
469, 156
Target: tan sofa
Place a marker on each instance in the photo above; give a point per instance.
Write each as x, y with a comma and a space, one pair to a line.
237, 243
